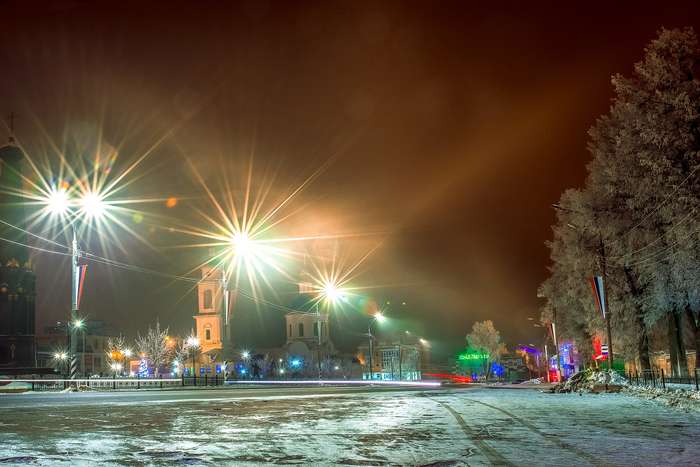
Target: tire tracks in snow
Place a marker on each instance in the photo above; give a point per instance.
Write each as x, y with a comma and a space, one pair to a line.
590, 458
491, 454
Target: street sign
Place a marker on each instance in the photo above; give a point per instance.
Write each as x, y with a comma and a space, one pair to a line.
604, 349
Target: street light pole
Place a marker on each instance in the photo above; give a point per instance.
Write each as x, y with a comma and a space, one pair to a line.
369, 334
605, 299
75, 279
378, 316
194, 372
318, 332
400, 358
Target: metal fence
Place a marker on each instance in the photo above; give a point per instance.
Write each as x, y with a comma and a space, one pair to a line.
107, 384
657, 378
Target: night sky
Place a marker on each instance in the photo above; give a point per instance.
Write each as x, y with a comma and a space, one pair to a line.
447, 130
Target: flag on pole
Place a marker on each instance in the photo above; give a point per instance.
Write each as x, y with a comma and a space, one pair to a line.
598, 287
80, 282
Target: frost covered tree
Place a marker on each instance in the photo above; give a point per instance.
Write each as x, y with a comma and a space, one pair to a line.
154, 345
115, 348
486, 338
641, 198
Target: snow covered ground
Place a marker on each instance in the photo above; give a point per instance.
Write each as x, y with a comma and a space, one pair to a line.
448, 427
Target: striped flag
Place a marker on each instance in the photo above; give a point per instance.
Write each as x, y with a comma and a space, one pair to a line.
598, 287
80, 282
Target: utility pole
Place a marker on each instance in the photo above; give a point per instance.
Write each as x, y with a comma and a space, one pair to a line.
605, 299
75, 280
400, 359
369, 334
227, 347
556, 345
318, 329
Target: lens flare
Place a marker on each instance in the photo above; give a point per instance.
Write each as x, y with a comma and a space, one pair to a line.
57, 202
92, 205
332, 293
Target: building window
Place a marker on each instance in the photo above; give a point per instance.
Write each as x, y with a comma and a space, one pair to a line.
290, 330
316, 325
301, 329
207, 333
208, 299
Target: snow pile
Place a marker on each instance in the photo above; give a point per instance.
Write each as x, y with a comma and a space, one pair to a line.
15, 386
680, 398
608, 377
592, 381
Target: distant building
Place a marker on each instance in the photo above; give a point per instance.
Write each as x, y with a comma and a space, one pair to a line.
17, 279
92, 347
399, 358
309, 341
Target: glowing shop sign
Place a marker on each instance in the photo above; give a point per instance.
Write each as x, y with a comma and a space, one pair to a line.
473, 355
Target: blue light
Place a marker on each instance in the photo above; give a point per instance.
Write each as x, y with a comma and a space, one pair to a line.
497, 369
243, 371
296, 363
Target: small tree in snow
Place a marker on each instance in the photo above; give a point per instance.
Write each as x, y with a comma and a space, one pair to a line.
154, 345
486, 338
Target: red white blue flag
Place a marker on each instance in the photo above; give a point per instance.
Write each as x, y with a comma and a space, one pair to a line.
598, 287
80, 282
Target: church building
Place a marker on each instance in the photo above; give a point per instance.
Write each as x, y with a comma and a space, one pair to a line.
213, 321
17, 279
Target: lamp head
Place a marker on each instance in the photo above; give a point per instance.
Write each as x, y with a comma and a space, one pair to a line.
57, 202
92, 205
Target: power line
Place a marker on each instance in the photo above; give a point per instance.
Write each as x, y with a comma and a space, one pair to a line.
39, 237
44, 250
130, 267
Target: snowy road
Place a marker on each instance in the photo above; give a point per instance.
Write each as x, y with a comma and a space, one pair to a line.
357, 427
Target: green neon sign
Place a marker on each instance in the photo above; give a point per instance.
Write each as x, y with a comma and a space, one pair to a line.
471, 355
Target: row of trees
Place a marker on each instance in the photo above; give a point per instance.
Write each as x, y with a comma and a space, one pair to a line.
636, 218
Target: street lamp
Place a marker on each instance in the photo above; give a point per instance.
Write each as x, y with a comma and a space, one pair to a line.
61, 358
378, 317
331, 292
91, 206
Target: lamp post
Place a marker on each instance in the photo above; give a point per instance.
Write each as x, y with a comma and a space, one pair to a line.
379, 318
331, 292
76, 325
90, 205
245, 355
